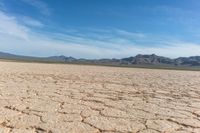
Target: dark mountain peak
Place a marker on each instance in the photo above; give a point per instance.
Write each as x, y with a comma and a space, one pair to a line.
61, 58
139, 55
146, 56
151, 59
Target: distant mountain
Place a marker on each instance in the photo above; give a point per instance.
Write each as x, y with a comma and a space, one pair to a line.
61, 58
12, 56
7, 55
139, 60
188, 61
148, 60
38, 59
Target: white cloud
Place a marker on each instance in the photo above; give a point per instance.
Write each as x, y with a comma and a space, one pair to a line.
20, 39
9, 25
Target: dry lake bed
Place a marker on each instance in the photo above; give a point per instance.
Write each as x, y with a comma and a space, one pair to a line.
56, 98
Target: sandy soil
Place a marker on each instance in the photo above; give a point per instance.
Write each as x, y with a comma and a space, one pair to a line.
54, 98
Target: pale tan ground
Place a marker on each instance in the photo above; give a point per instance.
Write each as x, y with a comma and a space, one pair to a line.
90, 99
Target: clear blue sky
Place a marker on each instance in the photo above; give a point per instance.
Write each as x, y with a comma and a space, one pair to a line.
100, 28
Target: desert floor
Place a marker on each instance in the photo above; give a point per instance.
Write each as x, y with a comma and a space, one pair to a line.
57, 98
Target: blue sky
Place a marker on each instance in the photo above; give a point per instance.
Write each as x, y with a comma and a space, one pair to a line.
100, 28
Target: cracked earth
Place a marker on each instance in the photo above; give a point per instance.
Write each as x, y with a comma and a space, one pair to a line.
53, 98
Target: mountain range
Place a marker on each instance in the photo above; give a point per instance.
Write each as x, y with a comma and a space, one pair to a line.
138, 60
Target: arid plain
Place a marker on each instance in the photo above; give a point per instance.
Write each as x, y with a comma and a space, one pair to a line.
58, 98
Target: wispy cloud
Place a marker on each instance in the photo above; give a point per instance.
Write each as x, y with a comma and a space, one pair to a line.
130, 34
18, 38
41, 6
10, 26
31, 22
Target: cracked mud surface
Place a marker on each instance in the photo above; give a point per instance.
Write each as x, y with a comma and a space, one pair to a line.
51, 98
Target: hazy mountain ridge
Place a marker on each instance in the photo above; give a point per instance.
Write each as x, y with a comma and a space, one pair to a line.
136, 60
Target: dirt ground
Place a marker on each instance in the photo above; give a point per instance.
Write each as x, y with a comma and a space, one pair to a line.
53, 98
